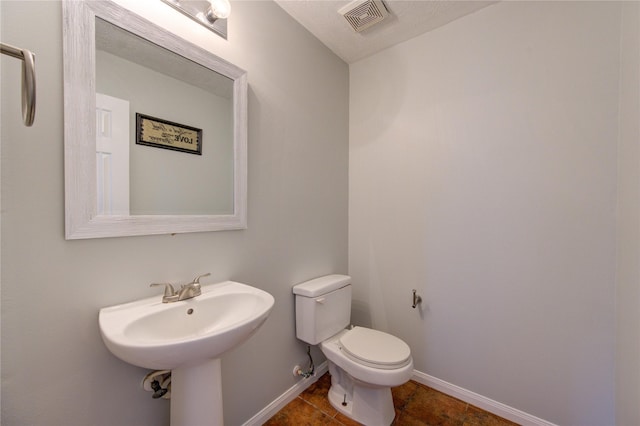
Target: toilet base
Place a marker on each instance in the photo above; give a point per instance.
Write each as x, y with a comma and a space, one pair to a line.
371, 406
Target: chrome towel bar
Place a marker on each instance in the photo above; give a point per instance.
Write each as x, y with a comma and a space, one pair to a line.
28, 80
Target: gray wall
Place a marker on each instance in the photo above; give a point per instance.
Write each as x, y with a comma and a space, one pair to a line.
628, 270
55, 368
483, 172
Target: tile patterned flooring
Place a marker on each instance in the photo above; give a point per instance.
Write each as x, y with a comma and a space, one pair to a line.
416, 405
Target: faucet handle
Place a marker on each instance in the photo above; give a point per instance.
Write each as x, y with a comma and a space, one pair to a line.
168, 288
196, 280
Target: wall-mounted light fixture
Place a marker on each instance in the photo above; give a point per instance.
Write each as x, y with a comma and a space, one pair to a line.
211, 14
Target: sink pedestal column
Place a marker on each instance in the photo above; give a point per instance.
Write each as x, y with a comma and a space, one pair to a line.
196, 395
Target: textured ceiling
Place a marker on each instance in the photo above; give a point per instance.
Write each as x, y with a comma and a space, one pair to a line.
406, 20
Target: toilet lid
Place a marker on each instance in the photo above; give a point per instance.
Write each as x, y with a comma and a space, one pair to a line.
375, 348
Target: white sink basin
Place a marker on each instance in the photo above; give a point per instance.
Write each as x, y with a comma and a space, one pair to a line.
165, 336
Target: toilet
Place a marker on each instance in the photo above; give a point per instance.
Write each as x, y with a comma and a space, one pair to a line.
364, 364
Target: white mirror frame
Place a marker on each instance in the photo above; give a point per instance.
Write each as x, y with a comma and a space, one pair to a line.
79, 46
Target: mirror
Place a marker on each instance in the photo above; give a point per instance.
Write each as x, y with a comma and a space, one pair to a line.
155, 129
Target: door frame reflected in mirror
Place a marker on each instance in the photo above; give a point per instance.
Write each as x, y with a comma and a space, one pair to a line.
79, 53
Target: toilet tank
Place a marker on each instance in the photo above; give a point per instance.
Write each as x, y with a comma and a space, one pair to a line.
323, 307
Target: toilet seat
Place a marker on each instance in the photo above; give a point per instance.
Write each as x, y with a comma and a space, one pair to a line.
375, 348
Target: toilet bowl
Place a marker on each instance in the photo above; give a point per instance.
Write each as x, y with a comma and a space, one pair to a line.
364, 380
364, 363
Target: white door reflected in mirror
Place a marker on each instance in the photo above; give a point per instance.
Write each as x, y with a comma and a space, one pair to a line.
112, 155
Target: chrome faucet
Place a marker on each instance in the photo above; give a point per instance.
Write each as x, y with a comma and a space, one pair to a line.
187, 291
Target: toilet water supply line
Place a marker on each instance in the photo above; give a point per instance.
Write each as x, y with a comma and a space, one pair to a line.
298, 371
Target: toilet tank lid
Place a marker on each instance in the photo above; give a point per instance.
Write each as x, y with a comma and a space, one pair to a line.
321, 285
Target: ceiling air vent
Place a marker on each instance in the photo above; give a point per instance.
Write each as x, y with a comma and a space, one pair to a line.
362, 14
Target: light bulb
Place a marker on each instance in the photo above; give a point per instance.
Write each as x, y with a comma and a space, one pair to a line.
219, 9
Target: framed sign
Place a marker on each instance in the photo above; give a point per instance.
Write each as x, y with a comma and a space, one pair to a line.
165, 134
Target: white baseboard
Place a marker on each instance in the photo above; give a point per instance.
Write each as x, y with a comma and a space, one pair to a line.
497, 408
289, 395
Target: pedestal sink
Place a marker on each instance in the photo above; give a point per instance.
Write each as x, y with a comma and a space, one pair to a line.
187, 337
